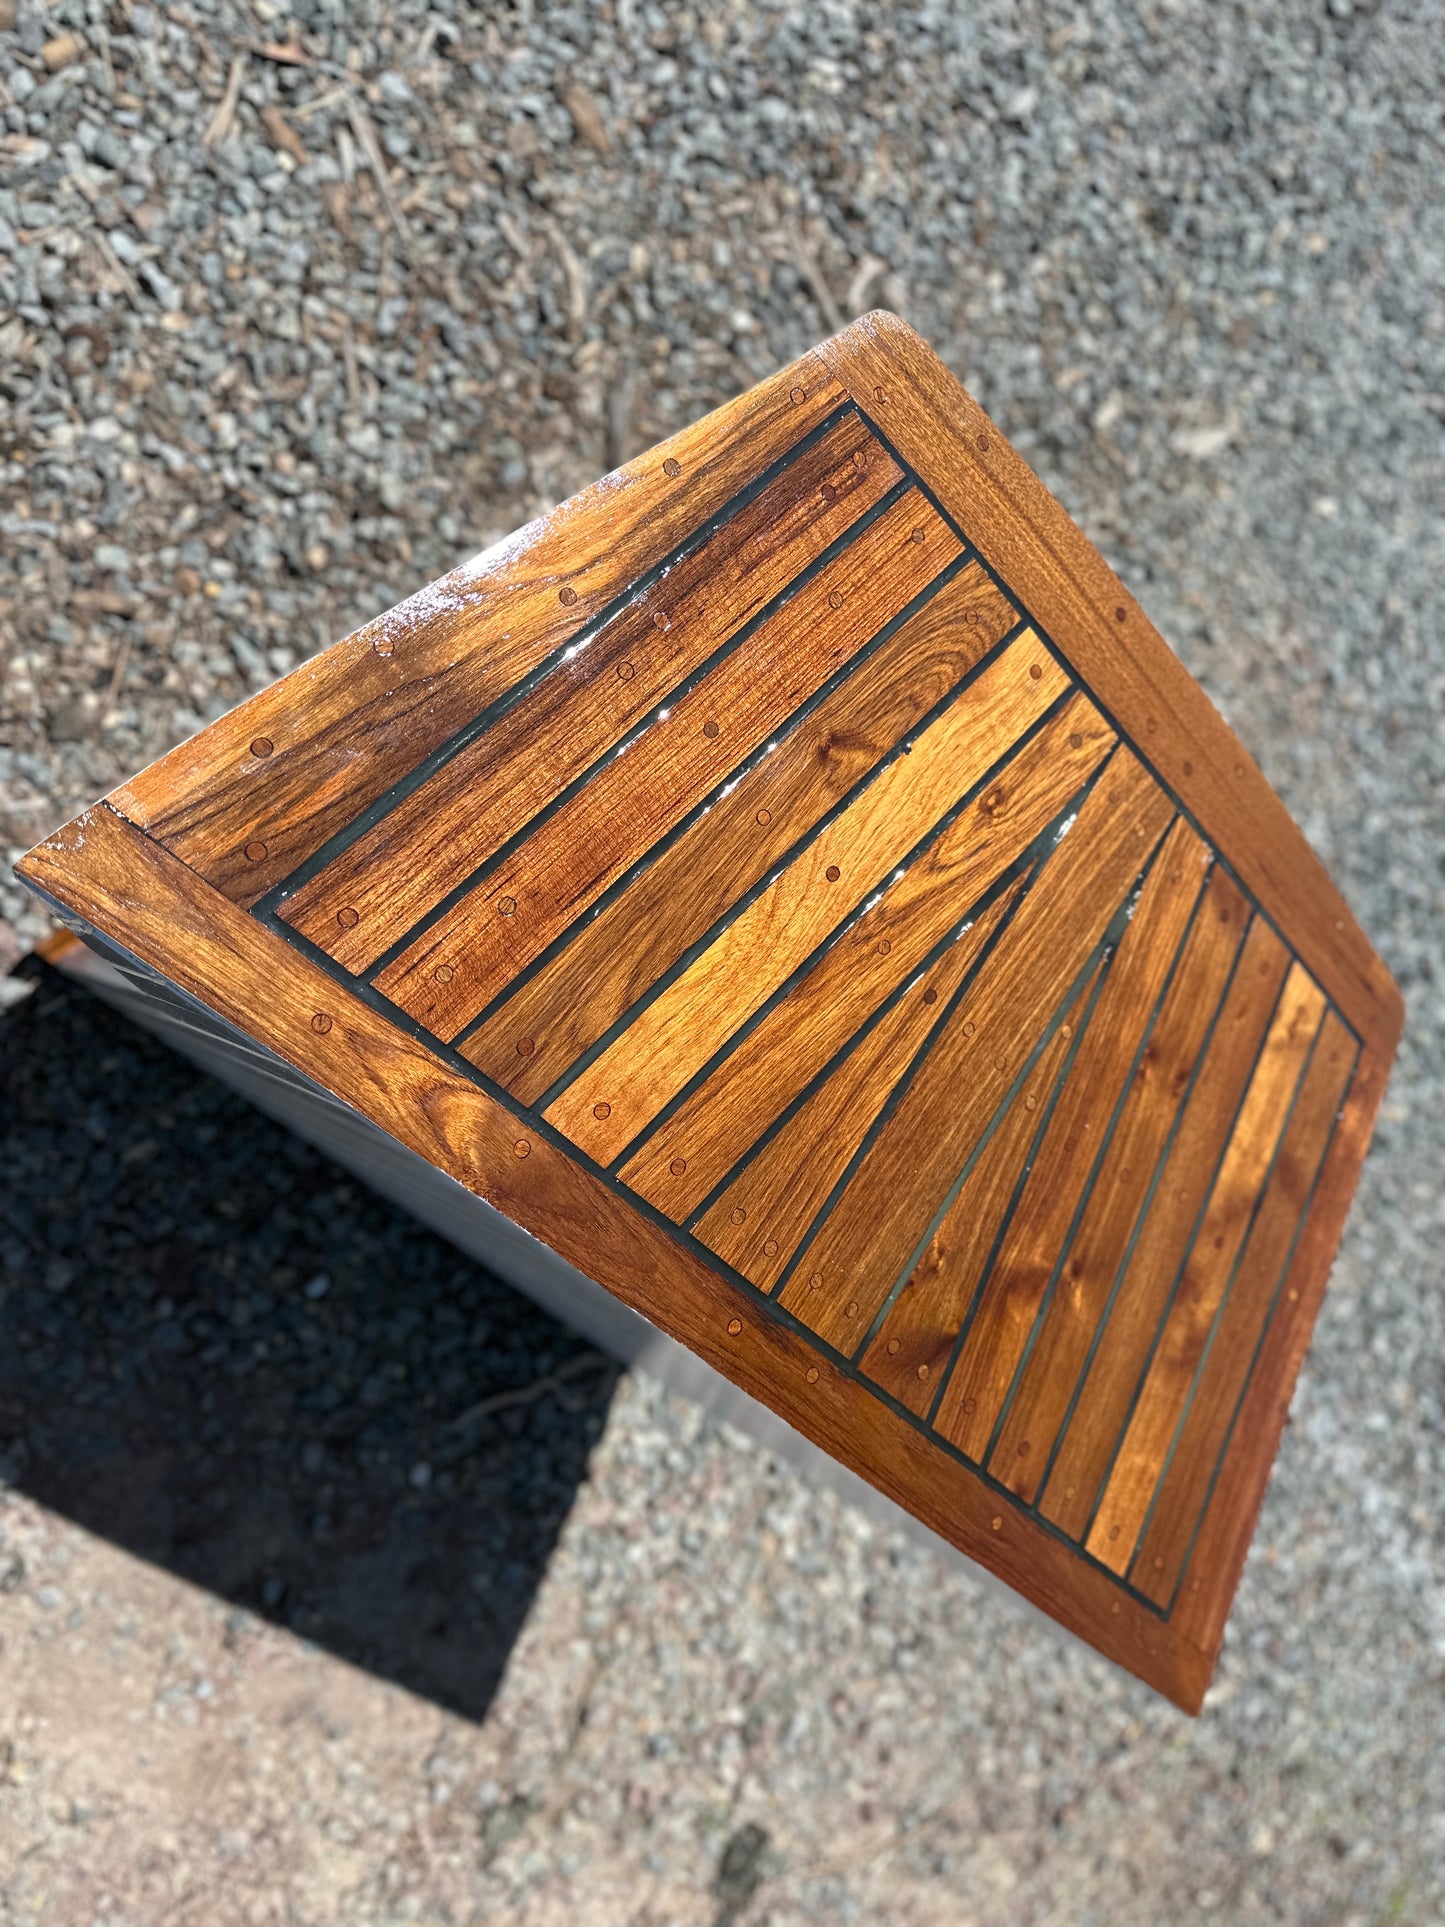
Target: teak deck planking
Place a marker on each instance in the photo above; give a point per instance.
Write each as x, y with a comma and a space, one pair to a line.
1161, 1236
432, 666
888, 939
1180, 1337
795, 883
912, 1338
1118, 1186
1228, 1348
992, 1342
981, 1044
464, 813
825, 753
455, 967
764, 1213
804, 904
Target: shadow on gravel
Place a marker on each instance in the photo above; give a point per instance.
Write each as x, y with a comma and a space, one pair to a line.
220, 1352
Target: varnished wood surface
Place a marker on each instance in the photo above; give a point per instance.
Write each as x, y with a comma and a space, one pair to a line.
913, 1339
891, 938
381, 701
1037, 1237
1139, 1299
1179, 1340
984, 1042
477, 800
1027, 536
807, 902
561, 869
794, 882
765, 1212
1118, 1185
1229, 1347
611, 961
1226, 1526
101, 869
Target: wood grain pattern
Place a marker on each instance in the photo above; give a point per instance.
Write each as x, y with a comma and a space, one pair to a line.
861, 1249
1231, 1348
559, 871
677, 1033
1063, 582
369, 717
1180, 1341
1228, 1524
100, 868
1119, 1186
615, 957
762, 1217
1070, 1219
909, 1352
473, 804
717, 1122
1038, 1229
1149, 1271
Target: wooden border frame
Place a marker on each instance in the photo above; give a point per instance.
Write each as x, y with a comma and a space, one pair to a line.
159, 888
1033, 545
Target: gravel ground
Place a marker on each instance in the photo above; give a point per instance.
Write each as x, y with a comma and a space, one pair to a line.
299, 306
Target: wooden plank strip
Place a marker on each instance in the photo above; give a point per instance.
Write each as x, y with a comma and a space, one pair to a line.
758, 1222
891, 1197
1038, 1231
1065, 585
440, 833
1118, 1188
910, 1350
1179, 1345
616, 957
1219, 1382
555, 874
819, 890
1232, 1510
394, 691
1130, 1322
718, 1121
101, 869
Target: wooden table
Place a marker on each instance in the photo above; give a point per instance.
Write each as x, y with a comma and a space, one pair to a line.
795, 883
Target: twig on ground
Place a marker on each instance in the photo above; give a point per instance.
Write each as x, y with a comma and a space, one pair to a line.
863, 281
283, 135
549, 1382
117, 267
286, 53
576, 282
122, 657
619, 420
366, 140
807, 261
333, 97
225, 113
